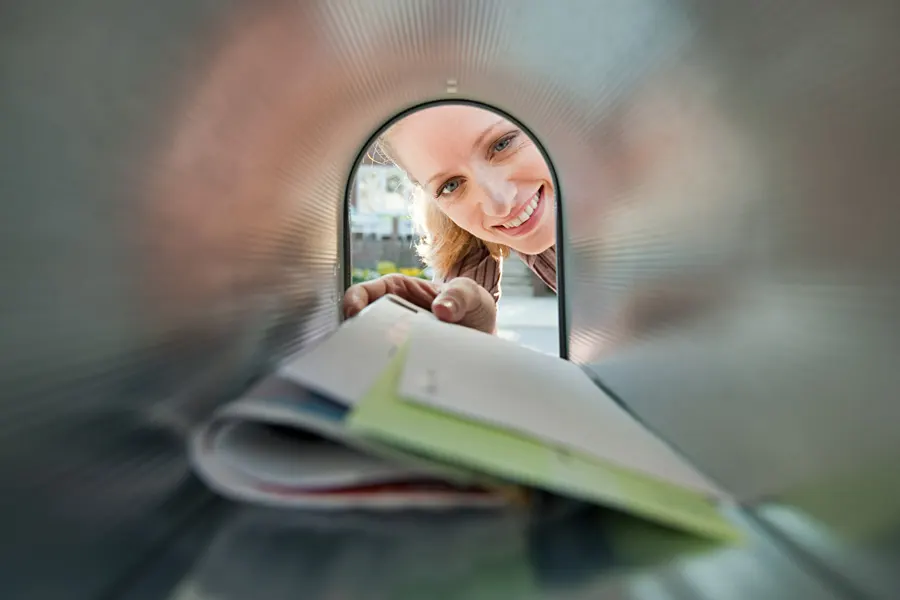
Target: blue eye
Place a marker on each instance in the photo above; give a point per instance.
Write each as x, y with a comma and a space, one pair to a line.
449, 187
503, 144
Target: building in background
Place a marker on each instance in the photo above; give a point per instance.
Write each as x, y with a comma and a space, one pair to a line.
382, 235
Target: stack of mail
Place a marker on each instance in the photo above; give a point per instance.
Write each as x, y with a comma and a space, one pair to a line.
397, 410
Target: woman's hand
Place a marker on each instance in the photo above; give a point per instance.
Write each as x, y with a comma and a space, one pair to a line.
460, 301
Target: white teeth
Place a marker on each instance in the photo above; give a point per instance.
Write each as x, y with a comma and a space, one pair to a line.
526, 213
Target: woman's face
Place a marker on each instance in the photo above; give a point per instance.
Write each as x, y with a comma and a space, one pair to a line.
484, 173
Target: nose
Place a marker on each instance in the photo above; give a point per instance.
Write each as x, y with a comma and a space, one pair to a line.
499, 192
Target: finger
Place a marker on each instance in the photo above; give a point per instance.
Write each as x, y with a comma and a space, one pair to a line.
463, 301
456, 298
418, 291
356, 298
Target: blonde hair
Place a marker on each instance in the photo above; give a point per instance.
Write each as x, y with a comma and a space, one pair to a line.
442, 244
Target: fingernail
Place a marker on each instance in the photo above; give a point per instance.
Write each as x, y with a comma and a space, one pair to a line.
449, 304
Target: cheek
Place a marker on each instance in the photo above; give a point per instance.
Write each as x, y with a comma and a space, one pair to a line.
466, 212
535, 163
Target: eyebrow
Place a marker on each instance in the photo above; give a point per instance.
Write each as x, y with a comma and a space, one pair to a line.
475, 145
485, 133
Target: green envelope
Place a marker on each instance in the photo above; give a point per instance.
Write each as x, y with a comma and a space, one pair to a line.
383, 415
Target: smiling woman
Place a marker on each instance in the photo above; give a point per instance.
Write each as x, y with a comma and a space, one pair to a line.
481, 190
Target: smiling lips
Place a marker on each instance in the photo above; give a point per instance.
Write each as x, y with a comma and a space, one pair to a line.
526, 211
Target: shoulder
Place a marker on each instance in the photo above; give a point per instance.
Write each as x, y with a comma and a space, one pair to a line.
543, 265
547, 257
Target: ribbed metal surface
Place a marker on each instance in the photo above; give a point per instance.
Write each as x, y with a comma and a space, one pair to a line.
173, 174
736, 279
741, 275
563, 554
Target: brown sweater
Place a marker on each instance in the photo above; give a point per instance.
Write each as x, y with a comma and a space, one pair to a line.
486, 270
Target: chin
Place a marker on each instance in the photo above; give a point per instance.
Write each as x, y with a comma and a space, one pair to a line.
538, 242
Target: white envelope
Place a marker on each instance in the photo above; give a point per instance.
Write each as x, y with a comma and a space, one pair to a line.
488, 379
345, 365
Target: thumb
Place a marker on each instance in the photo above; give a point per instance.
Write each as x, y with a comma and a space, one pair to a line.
464, 302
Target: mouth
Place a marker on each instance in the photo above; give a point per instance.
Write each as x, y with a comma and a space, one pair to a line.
527, 218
